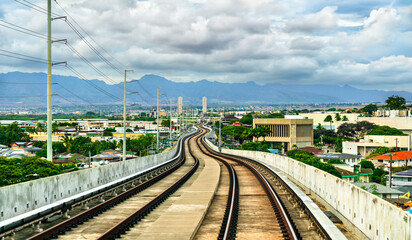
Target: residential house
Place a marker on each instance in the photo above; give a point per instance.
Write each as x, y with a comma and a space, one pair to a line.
399, 159
354, 173
344, 157
379, 190
402, 178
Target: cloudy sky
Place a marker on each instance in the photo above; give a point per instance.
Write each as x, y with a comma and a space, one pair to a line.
366, 44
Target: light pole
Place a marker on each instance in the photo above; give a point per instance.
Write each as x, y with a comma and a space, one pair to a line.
124, 115
49, 85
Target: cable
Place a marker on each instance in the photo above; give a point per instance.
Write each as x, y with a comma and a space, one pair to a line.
78, 25
91, 83
35, 7
22, 58
21, 83
89, 63
25, 30
75, 94
23, 55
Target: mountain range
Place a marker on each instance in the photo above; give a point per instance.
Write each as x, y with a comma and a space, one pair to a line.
30, 89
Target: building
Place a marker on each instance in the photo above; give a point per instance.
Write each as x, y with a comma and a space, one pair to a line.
354, 173
344, 157
21, 145
312, 150
204, 105
402, 123
180, 105
379, 190
399, 159
369, 143
287, 132
228, 118
402, 178
69, 157
319, 117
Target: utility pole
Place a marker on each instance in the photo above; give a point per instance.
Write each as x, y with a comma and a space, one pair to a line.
124, 115
157, 122
170, 126
220, 134
49, 85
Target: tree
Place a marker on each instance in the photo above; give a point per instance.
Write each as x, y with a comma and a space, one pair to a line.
254, 146
329, 119
345, 118
367, 164
67, 141
39, 127
235, 131
107, 132
378, 176
395, 102
129, 130
165, 123
247, 119
386, 130
12, 133
370, 108
338, 117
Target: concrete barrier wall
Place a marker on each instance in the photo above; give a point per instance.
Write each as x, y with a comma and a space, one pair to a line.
23, 197
372, 216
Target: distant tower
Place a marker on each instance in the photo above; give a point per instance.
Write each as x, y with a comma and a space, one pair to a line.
180, 105
204, 109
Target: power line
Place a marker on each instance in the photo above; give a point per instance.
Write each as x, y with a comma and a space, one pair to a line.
21, 58
79, 75
78, 25
75, 95
22, 29
23, 55
89, 63
35, 7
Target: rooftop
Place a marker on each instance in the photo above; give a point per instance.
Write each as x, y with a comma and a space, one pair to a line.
337, 156
395, 156
380, 188
405, 173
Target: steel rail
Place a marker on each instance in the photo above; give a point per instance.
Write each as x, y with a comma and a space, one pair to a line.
127, 223
229, 223
277, 205
82, 217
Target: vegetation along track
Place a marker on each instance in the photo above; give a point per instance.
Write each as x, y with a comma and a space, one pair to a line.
229, 223
66, 226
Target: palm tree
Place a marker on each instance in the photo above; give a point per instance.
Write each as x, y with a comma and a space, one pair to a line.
67, 142
329, 119
265, 132
337, 117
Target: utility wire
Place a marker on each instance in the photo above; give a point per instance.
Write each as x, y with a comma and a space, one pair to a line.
89, 63
79, 75
75, 95
78, 25
41, 59
22, 29
34, 7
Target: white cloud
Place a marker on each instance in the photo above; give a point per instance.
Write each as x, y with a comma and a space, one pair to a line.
293, 41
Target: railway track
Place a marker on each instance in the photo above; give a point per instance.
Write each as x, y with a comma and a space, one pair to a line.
65, 227
229, 223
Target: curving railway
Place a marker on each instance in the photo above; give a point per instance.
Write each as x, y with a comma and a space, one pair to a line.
248, 203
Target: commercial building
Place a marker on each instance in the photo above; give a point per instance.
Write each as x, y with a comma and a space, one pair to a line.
402, 123
204, 105
287, 132
369, 143
180, 105
319, 117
